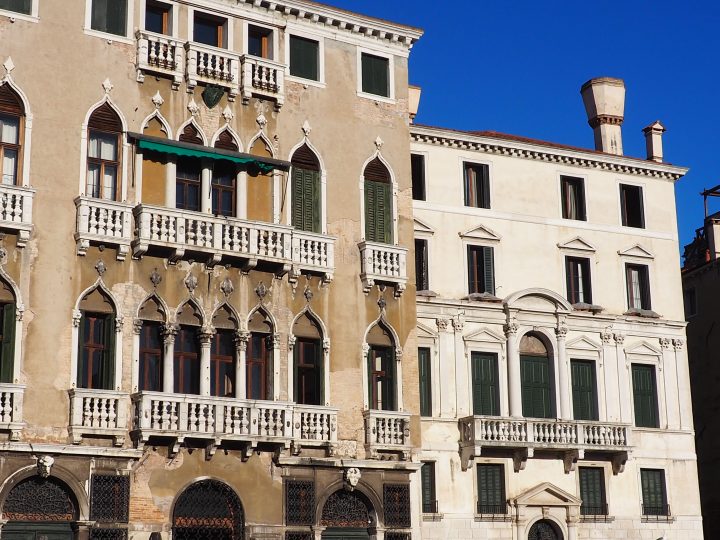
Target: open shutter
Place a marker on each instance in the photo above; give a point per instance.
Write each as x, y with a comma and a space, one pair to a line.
623, 205
7, 350
425, 381
484, 179
645, 287
311, 202
297, 197
370, 212
108, 368
641, 208
473, 274
296, 371
383, 213
488, 270
584, 390
485, 384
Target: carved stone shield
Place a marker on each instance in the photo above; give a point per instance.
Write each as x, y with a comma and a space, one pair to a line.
211, 95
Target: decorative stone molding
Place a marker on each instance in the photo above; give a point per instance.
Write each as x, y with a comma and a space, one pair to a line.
227, 287
76, 316
458, 323
158, 100
291, 342
306, 129
155, 278
511, 329
678, 344
606, 336
352, 477
241, 339
227, 114
261, 290
193, 107
308, 294
100, 267
137, 326
107, 86
44, 466
191, 282
605, 119
619, 338
665, 343
442, 324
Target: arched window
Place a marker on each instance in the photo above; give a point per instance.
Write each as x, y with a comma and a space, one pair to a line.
223, 359
378, 203
347, 510
151, 349
96, 340
12, 114
544, 530
306, 190
154, 165
381, 369
260, 186
308, 361
37, 499
189, 173
186, 368
259, 356
208, 509
103, 157
538, 395
224, 178
8, 310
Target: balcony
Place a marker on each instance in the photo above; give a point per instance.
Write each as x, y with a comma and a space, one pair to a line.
387, 432
212, 65
103, 222
98, 414
229, 421
313, 253
525, 435
16, 204
383, 263
160, 55
263, 78
11, 409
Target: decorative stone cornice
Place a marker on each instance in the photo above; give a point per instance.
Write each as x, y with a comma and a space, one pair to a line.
537, 151
603, 119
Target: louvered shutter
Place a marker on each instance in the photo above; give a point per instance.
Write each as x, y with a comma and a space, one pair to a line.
311, 202
644, 287
375, 75
584, 390
484, 174
485, 384
645, 396
425, 381
427, 477
488, 270
653, 491
370, 368
10, 102
7, 350
592, 490
377, 212
297, 197
491, 489
304, 58
536, 391
473, 271
108, 368
388, 386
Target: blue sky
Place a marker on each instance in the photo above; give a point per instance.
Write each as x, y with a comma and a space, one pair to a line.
516, 66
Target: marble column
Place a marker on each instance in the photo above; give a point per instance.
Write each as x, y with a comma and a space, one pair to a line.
563, 373
206, 334
169, 333
514, 381
241, 342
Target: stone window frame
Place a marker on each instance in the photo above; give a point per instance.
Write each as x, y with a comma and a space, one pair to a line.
127, 38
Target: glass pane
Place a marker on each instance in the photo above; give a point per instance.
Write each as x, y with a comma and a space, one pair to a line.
109, 16
206, 31
9, 129
375, 75
156, 16
255, 381
109, 182
18, 6
9, 167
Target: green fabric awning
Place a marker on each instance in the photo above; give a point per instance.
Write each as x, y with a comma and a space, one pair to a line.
177, 148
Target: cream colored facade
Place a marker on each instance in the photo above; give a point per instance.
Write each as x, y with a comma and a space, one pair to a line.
524, 226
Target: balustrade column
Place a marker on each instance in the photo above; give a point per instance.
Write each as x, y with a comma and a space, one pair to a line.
205, 187
241, 342
563, 373
514, 382
169, 333
206, 335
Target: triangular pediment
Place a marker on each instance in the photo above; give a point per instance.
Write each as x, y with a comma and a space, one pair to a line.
547, 494
422, 227
643, 348
637, 251
577, 244
481, 232
485, 335
583, 344
425, 332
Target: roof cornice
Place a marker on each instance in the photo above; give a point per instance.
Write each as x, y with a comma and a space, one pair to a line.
544, 152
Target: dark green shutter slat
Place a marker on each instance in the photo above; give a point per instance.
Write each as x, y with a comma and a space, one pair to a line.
304, 58
8, 344
297, 193
645, 288
425, 381
314, 219
375, 75
108, 369
592, 490
484, 171
427, 477
377, 212
584, 390
485, 384
489, 270
491, 488
537, 400
645, 396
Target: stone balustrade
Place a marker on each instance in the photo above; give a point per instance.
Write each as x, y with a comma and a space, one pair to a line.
387, 432
383, 263
314, 253
98, 414
11, 409
103, 222
264, 78
161, 55
212, 65
16, 206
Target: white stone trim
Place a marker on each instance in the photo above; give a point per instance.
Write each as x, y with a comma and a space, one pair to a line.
299, 31
126, 38
395, 189
573, 174
28, 122
192, 121
643, 353
391, 75
13, 15
174, 12
229, 34
275, 38
231, 131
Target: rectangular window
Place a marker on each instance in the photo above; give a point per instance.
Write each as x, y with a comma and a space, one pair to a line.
690, 302
187, 184
573, 198
577, 273
417, 166
481, 270
97, 351
485, 384
187, 361
258, 360
260, 42
654, 494
9, 148
538, 388
491, 489
222, 364
158, 17
151, 357
427, 478
421, 265
381, 378
304, 58
103, 165
223, 188
477, 185
638, 286
18, 6
210, 30
424, 365
584, 390
308, 371
645, 396
592, 491
375, 75
631, 206
109, 16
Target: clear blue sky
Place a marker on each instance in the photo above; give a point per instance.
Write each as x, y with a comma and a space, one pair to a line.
516, 66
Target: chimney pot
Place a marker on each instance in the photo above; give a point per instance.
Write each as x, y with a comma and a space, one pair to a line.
653, 141
604, 100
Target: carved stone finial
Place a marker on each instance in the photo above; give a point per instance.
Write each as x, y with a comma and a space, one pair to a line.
306, 128
352, 478
193, 107
261, 121
227, 114
227, 286
158, 100
308, 294
107, 86
100, 267
44, 466
3, 255
379, 143
261, 290
9, 65
155, 278
191, 282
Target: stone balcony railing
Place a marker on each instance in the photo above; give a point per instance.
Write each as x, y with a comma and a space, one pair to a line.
103, 222
11, 409
161, 55
212, 65
98, 414
530, 434
387, 432
383, 263
217, 420
314, 253
16, 208
264, 78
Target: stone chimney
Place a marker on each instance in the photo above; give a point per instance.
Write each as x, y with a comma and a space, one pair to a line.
604, 100
653, 141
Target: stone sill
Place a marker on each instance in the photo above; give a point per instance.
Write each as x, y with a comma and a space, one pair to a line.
597, 519
493, 517
657, 519
432, 517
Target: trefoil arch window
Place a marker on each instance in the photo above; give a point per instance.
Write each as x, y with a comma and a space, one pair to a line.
260, 356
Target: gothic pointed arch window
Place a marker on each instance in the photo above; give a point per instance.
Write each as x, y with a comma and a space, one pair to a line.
259, 362
96, 339
104, 167
260, 186
188, 173
306, 188
224, 178
208, 510
378, 202
154, 164
536, 373
186, 366
12, 124
223, 358
8, 322
151, 347
308, 361
381, 369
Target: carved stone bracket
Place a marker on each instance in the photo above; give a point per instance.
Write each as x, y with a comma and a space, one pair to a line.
571, 458
618, 462
520, 458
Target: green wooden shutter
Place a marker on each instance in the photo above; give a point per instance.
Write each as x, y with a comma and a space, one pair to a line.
378, 210
425, 381
486, 399
484, 191
653, 491
491, 489
584, 390
389, 382
297, 197
537, 399
7, 348
375, 75
592, 491
306, 199
427, 478
644, 287
488, 270
304, 58
108, 368
370, 211
645, 396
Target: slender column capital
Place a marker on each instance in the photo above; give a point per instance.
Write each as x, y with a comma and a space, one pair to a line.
678, 344
169, 331
561, 331
511, 329
206, 334
137, 326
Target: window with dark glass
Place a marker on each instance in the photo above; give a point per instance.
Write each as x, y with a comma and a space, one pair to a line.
187, 184
257, 365
222, 364
7, 340
690, 302
421, 265
9, 148
573, 198
485, 384
638, 286
109, 16
425, 366
477, 185
223, 188
417, 165
577, 273
304, 58
260, 42
491, 489
158, 17
97, 351
631, 206
308, 371
654, 494
537, 378
187, 361
381, 377
151, 357
18, 6
209, 30
481, 270
584, 390
645, 397
103, 154
592, 491
427, 480
375, 75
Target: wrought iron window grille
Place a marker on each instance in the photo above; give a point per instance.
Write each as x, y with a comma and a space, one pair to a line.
396, 500
40, 499
299, 502
110, 498
208, 510
108, 534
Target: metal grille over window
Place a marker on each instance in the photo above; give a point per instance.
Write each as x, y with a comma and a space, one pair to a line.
298, 536
346, 509
110, 498
40, 499
208, 510
396, 500
397, 536
299, 502
108, 534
